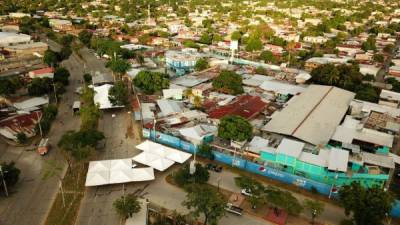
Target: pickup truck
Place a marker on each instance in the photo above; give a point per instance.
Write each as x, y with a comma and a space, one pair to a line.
233, 209
43, 147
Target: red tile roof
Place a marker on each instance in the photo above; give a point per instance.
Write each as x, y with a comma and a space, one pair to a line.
42, 71
246, 106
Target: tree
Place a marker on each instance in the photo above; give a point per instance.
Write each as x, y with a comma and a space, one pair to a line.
228, 82
206, 201
253, 44
182, 177
235, 128
201, 64
22, 138
257, 190
119, 66
284, 200
205, 150
85, 37
10, 173
144, 39
267, 56
314, 207
87, 78
367, 92
39, 86
66, 40
65, 53
236, 35
80, 143
369, 44
9, 86
206, 38
119, 94
61, 75
127, 205
379, 58
366, 205
151, 82
389, 48
50, 58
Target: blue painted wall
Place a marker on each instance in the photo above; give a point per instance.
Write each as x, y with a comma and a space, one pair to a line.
252, 167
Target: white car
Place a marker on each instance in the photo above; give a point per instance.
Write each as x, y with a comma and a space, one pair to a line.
246, 192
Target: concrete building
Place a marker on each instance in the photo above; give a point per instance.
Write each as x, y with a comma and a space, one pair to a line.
10, 39
29, 49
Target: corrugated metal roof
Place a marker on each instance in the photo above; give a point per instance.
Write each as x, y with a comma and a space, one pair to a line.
290, 148
313, 115
338, 160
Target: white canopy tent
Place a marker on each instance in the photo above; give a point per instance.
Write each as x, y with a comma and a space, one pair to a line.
97, 166
116, 171
161, 164
143, 174
163, 151
121, 164
97, 178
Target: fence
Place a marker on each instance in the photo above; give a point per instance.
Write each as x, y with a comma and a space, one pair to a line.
252, 167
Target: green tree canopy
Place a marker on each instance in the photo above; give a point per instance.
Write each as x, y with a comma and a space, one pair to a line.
127, 205
267, 56
40, 86
119, 66
50, 58
206, 38
85, 37
253, 44
119, 94
151, 82
10, 172
9, 86
284, 200
257, 190
61, 75
182, 177
367, 206
369, 44
228, 82
234, 128
236, 35
202, 200
201, 64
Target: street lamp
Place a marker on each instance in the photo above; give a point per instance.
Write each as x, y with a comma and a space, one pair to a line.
4, 181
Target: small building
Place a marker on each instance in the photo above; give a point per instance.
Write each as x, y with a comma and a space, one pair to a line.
62, 25
28, 49
389, 98
181, 61
10, 39
42, 73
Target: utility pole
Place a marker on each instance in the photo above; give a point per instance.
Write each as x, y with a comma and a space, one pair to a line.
4, 181
40, 125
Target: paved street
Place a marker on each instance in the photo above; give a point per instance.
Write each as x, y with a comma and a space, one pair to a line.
23, 207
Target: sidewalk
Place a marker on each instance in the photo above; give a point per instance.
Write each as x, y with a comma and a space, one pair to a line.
171, 197
332, 214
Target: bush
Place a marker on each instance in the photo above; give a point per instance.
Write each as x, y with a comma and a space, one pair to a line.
183, 177
22, 138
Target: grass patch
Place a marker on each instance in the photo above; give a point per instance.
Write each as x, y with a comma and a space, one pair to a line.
74, 187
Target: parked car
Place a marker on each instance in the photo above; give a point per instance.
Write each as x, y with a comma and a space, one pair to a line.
233, 209
214, 167
246, 192
43, 147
